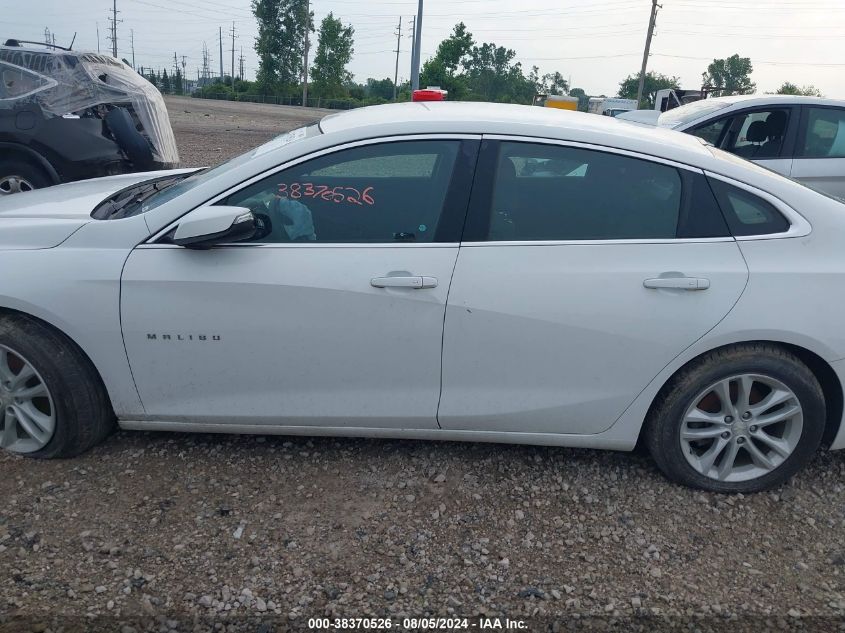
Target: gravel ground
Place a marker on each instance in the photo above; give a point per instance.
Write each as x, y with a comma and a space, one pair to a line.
200, 532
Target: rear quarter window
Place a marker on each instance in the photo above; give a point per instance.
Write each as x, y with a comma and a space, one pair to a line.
746, 213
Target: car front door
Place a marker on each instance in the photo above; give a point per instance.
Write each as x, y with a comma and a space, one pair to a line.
820, 153
332, 316
582, 275
763, 135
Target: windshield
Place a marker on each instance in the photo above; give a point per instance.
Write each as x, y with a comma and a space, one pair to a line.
690, 112
149, 195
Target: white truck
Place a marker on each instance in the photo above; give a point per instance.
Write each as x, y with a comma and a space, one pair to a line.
611, 106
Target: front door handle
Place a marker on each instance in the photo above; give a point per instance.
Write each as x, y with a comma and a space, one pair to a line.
404, 282
678, 283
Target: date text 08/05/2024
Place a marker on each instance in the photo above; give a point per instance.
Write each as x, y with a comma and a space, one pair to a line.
417, 624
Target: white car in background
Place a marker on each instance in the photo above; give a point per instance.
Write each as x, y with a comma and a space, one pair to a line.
800, 137
456, 271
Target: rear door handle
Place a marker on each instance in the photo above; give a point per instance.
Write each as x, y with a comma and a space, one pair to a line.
404, 282
679, 283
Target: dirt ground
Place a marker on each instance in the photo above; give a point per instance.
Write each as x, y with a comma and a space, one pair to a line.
209, 132
166, 532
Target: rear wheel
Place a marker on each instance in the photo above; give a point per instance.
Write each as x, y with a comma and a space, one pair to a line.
742, 419
52, 402
20, 176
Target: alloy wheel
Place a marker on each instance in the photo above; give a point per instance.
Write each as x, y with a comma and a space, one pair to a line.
741, 427
14, 184
27, 412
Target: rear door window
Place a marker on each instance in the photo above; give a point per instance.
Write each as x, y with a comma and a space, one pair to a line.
824, 136
548, 192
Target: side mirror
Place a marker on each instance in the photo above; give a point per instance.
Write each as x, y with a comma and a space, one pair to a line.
208, 226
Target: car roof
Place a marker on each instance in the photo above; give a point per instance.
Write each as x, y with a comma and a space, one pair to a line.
514, 120
764, 99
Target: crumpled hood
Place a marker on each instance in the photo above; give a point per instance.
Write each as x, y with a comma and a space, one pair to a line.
45, 218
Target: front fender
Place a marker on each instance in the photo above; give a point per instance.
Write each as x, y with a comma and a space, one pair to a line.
76, 291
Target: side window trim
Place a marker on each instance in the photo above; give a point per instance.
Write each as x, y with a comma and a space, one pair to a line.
155, 238
798, 224
478, 218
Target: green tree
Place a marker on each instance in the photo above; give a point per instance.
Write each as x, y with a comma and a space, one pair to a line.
335, 46
731, 76
379, 89
492, 75
443, 69
151, 77
165, 83
789, 88
178, 86
280, 43
653, 82
553, 84
583, 98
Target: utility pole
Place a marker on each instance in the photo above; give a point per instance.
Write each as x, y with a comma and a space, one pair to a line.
132, 42
47, 35
114, 29
415, 74
396, 72
241, 74
184, 76
651, 22
413, 41
221, 53
305, 59
233, 55
98, 37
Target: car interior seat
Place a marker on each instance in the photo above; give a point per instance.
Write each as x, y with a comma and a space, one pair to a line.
775, 129
756, 135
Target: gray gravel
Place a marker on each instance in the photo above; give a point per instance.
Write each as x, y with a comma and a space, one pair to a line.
179, 532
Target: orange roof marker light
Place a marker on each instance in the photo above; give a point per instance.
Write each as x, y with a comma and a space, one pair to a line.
432, 93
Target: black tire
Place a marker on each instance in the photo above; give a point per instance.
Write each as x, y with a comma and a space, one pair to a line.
84, 416
35, 176
131, 141
663, 426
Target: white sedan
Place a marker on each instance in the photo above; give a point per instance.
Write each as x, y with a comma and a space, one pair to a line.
437, 271
800, 137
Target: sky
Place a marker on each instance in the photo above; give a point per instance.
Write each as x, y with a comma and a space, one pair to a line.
596, 44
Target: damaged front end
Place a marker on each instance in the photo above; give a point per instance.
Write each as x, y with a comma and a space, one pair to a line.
86, 114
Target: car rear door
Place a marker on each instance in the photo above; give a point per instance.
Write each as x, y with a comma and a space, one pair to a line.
820, 152
332, 317
583, 273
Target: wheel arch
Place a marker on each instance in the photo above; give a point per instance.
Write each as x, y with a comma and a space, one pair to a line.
31, 156
821, 369
4, 311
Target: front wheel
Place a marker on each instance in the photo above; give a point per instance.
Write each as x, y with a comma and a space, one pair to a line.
52, 402
740, 419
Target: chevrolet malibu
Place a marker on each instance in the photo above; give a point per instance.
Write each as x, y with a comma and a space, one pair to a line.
437, 271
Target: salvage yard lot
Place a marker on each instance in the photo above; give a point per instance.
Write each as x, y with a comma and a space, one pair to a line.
186, 528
